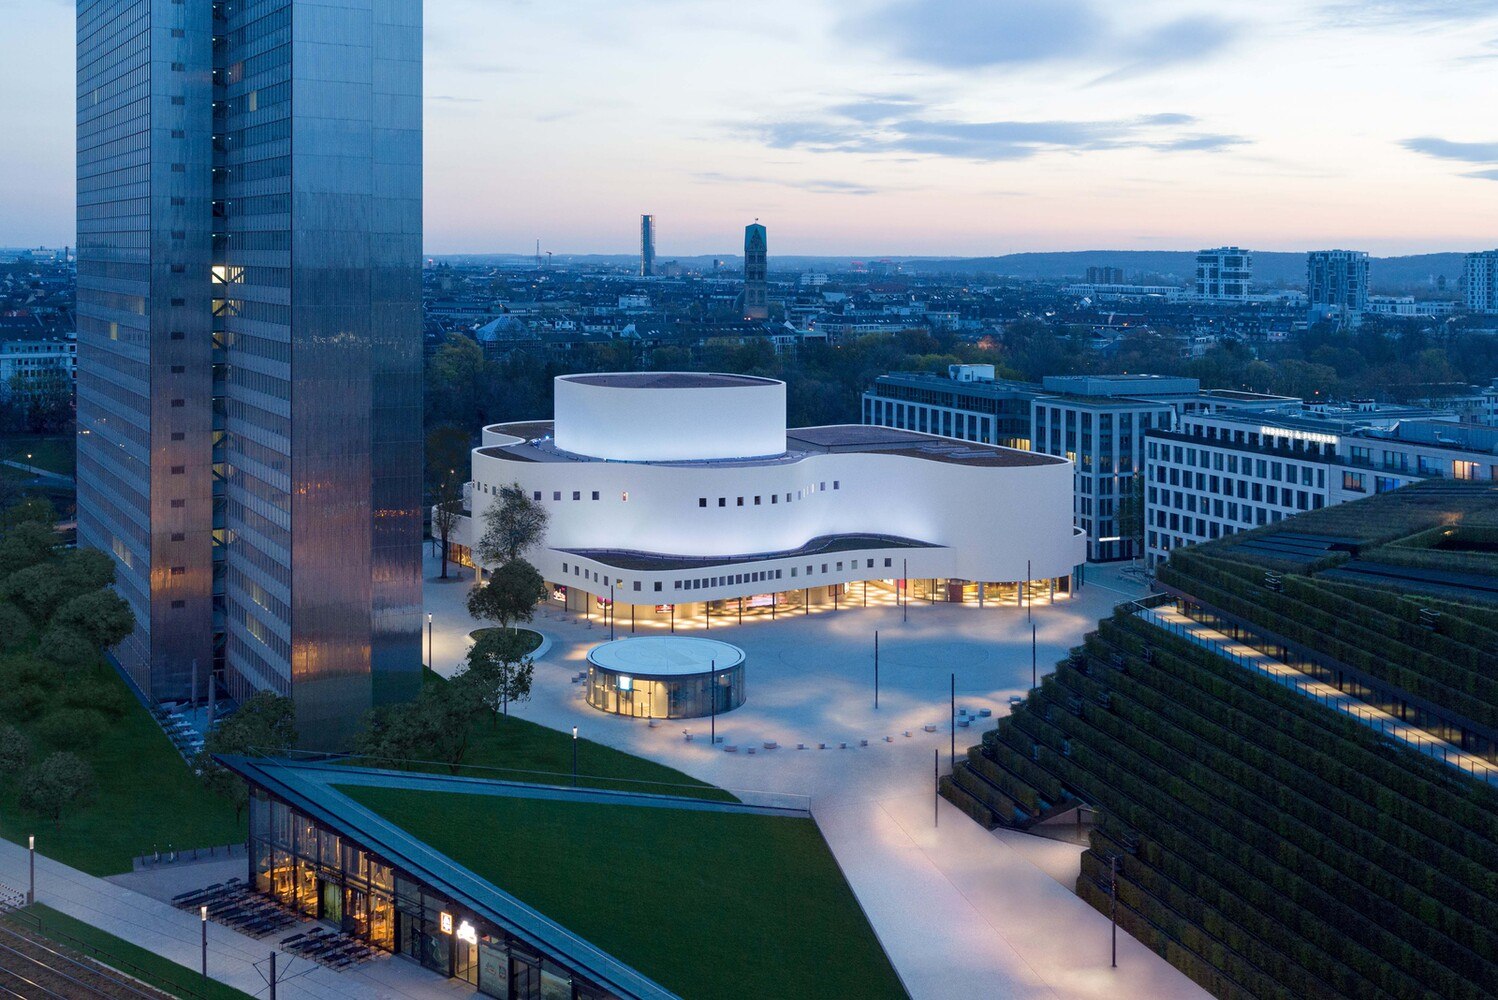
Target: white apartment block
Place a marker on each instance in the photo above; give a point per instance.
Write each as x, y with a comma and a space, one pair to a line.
1224, 274
1480, 279
27, 358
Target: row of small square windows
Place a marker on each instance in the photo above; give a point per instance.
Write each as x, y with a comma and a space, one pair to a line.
733, 579
556, 495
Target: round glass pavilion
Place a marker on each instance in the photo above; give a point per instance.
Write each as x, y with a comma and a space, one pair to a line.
665, 677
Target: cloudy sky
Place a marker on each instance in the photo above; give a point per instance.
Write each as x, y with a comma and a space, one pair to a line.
905, 126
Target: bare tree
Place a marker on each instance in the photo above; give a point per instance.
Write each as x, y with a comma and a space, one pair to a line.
444, 518
513, 523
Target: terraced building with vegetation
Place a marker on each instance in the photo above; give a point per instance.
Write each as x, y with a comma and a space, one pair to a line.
1291, 754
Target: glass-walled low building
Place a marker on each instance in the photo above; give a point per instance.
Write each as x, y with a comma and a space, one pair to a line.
665, 677
328, 876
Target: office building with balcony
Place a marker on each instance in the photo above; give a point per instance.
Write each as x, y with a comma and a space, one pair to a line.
249, 344
1215, 474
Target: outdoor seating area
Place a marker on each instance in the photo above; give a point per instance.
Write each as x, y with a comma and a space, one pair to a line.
183, 734
328, 947
234, 905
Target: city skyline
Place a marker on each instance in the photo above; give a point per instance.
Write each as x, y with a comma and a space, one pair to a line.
879, 130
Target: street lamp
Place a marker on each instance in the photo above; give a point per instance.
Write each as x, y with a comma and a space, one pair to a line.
1034, 682
203, 911
429, 642
611, 612
31, 858
574, 756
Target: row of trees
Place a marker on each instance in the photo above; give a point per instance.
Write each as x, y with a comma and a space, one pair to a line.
56, 612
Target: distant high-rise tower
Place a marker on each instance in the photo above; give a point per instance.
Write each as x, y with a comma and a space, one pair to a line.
249, 344
756, 273
1223, 274
1337, 285
1480, 281
647, 246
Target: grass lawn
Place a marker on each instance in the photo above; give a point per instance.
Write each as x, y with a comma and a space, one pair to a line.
147, 796
144, 965
707, 904
55, 454
531, 636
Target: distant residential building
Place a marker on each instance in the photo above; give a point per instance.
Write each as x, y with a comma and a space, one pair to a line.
30, 354
1407, 306
1224, 274
1337, 285
1105, 276
1480, 278
756, 273
1126, 293
647, 246
812, 279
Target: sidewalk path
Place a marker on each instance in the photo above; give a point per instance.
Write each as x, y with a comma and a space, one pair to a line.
232, 957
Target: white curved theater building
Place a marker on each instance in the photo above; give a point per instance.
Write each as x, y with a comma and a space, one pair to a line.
676, 495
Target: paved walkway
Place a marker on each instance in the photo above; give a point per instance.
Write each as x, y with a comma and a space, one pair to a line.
1173, 621
961, 912
233, 958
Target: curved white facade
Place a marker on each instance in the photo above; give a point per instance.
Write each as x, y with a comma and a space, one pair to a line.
669, 416
832, 505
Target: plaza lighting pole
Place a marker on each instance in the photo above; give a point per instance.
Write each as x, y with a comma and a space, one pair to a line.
904, 588
712, 687
272, 979
203, 913
935, 787
574, 756
611, 612
31, 860
1113, 904
1028, 612
954, 722
429, 641
1034, 675
876, 668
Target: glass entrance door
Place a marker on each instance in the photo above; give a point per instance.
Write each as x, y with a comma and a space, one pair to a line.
332, 902
466, 961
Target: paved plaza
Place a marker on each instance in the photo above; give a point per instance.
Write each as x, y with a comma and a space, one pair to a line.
961, 911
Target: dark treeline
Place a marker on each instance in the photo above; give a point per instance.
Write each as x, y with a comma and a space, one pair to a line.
465, 390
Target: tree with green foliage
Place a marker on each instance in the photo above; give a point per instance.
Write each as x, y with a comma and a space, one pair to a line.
101, 615
25, 544
509, 595
436, 726
514, 522
29, 510
15, 751
15, 626
60, 782
71, 729
264, 724
500, 669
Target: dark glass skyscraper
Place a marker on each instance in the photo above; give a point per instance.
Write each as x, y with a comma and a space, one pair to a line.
647, 246
249, 402
756, 273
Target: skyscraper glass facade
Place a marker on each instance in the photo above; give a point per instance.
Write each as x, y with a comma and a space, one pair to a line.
281, 239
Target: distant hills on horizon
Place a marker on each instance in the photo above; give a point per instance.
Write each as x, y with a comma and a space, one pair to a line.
1273, 268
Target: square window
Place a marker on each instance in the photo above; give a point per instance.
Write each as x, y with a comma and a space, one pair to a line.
178, 470
774, 497
178, 436
178, 605
178, 536
741, 501
837, 484
702, 501
888, 563
756, 501
871, 564
537, 495
657, 586
595, 494
179, 570
556, 494
577, 494
722, 501
178, 504
637, 584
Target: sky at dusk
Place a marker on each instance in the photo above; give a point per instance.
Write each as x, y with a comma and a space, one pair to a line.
928, 127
